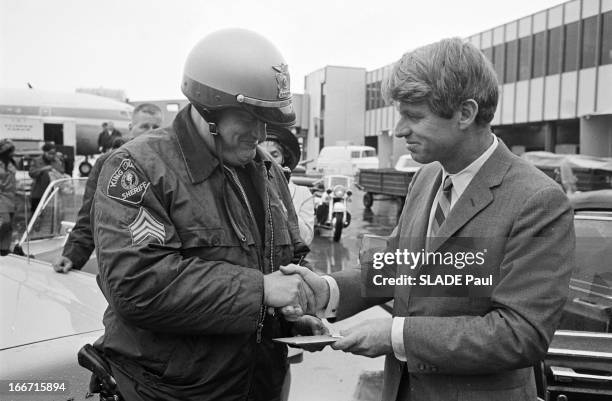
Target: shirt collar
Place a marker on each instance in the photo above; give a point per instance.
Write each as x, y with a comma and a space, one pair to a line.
463, 178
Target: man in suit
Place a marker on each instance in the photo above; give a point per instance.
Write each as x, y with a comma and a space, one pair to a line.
107, 136
440, 346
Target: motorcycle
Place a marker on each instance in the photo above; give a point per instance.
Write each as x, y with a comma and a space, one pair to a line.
332, 196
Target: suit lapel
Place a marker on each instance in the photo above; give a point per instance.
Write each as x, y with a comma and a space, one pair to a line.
477, 195
413, 232
420, 205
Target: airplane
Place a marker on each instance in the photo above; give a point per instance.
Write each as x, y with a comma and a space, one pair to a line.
69, 119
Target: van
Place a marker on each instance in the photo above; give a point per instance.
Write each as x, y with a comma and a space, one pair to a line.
407, 163
346, 159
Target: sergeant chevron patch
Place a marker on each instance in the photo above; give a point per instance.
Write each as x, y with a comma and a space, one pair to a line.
145, 226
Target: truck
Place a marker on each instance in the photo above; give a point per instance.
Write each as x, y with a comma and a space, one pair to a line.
387, 183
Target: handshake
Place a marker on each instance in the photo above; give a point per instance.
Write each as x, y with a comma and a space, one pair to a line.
296, 290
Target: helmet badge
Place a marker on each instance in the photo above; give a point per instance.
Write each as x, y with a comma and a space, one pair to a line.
282, 80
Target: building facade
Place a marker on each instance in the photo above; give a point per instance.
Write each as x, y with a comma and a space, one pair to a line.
336, 102
555, 73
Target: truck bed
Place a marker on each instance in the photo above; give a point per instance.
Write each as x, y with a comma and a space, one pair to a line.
385, 181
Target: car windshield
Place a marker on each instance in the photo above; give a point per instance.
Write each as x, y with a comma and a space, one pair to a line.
53, 219
332, 181
589, 305
369, 153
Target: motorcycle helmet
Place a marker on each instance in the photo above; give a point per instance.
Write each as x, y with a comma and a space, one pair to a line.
242, 69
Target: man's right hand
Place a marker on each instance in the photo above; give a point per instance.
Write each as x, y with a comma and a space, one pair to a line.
62, 264
317, 284
282, 290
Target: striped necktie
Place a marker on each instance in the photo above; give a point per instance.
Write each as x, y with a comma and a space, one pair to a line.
443, 207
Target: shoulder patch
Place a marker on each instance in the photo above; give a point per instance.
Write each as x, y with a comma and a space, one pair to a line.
126, 184
146, 226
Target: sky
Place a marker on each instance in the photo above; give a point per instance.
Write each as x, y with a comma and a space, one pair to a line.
140, 46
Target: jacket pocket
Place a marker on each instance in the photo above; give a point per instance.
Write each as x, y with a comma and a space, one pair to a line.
217, 244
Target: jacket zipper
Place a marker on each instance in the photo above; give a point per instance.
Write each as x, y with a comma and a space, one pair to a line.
236, 182
271, 232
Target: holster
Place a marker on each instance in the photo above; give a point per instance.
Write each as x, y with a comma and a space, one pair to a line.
102, 380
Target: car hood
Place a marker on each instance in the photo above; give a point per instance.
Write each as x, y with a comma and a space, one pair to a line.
38, 304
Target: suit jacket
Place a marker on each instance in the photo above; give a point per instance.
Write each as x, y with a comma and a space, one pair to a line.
480, 348
105, 139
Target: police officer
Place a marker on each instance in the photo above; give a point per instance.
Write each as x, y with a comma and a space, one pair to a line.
284, 148
80, 244
191, 228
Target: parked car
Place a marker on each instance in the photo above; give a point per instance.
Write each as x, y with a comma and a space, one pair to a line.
48, 228
346, 160
578, 365
46, 317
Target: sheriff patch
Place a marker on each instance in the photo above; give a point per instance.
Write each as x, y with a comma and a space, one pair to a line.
146, 226
126, 184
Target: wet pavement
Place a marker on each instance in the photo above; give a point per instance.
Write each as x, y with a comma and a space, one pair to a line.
335, 375
328, 256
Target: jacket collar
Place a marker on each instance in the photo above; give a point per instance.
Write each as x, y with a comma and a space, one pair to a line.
199, 160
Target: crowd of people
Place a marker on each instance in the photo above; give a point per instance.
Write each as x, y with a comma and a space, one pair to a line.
202, 242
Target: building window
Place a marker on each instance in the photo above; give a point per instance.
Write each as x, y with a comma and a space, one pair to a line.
322, 100
589, 41
374, 99
570, 61
511, 60
524, 58
380, 102
172, 107
498, 61
488, 52
539, 54
606, 39
555, 40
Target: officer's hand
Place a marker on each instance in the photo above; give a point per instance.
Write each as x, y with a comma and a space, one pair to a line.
309, 326
317, 284
62, 264
281, 290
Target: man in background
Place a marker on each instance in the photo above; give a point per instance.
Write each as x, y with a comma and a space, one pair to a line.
48, 163
79, 246
8, 187
107, 136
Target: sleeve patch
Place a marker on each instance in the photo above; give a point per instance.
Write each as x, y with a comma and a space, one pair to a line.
146, 226
126, 184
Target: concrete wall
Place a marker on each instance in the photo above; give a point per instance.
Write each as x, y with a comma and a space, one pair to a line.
344, 105
336, 99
